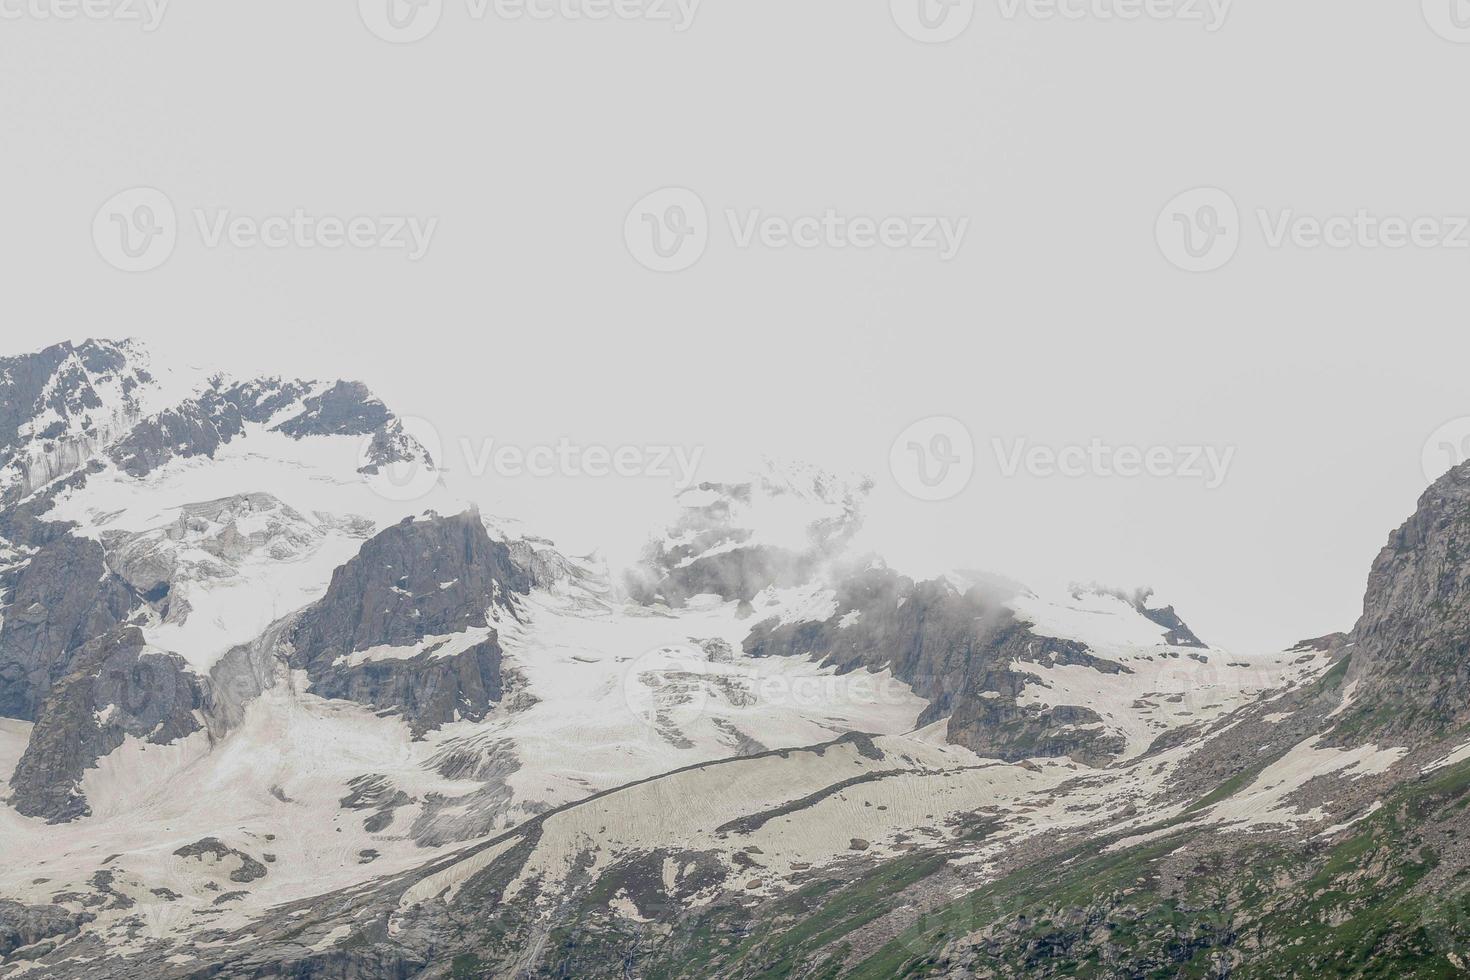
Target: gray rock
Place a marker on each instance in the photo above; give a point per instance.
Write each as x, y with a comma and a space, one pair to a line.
348, 408
26, 925
427, 578
954, 649
116, 689
61, 598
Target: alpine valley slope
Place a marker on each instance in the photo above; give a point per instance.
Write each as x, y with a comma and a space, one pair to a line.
258, 718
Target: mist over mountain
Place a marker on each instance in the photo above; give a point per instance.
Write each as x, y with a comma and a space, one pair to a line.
279, 698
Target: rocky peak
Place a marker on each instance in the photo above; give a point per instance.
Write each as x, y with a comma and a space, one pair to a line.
1410, 651
428, 576
70, 404
407, 625
59, 404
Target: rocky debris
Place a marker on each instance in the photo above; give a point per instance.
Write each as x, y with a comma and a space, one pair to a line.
117, 689
432, 577
26, 925
486, 759
106, 894
955, 649
217, 851
59, 599
375, 793
716, 651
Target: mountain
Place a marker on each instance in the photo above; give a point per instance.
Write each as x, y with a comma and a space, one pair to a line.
259, 717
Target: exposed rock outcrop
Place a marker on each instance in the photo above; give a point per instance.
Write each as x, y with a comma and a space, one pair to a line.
117, 688
420, 588
1410, 652
61, 597
954, 649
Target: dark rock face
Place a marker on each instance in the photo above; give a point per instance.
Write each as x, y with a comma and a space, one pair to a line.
190, 430
429, 692
50, 407
391, 444
116, 689
348, 408
58, 600
427, 578
200, 426
248, 871
1410, 651
26, 925
952, 648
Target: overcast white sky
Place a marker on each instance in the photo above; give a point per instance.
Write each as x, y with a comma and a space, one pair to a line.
1059, 321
